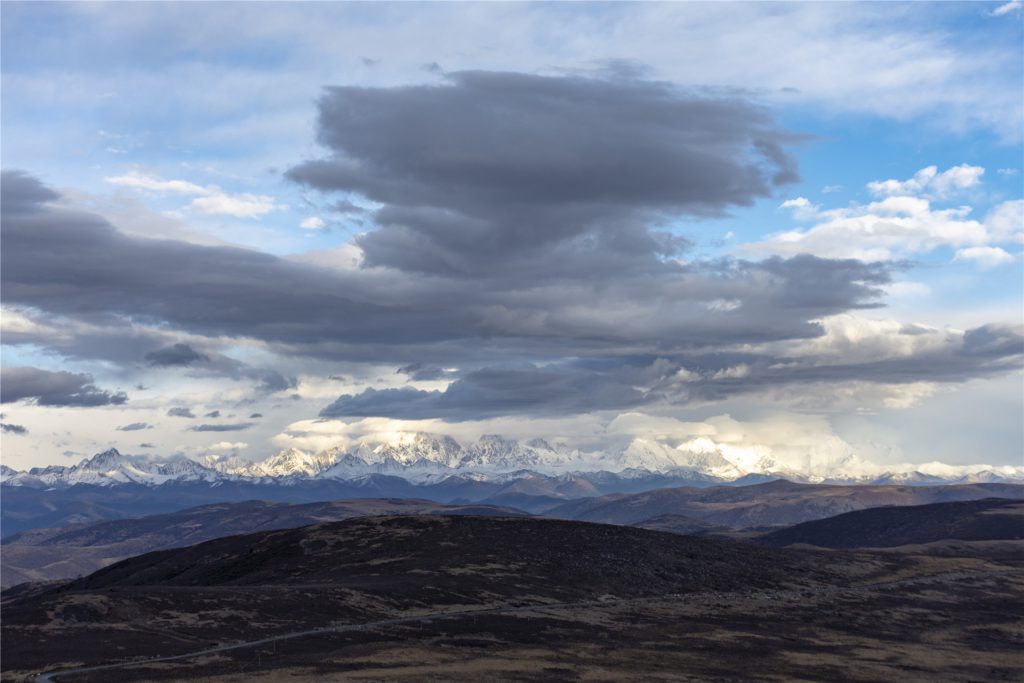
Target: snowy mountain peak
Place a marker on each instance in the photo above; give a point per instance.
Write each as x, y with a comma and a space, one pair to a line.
294, 462
494, 452
411, 448
423, 458
105, 460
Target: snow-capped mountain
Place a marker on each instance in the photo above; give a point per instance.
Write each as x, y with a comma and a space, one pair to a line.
110, 468
287, 463
429, 459
416, 450
6, 472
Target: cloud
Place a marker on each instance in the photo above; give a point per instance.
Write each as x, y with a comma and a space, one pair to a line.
180, 412
1007, 8
46, 388
801, 207
237, 427
178, 354
986, 257
588, 292
419, 372
134, 427
24, 193
8, 428
858, 359
928, 182
487, 167
500, 391
900, 225
141, 181
312, 223
227, 446
210, 200
212, 413
1005, 222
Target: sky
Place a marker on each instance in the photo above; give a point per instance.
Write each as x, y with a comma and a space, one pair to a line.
242, 227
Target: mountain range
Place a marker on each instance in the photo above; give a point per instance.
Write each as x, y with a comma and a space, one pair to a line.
428, 459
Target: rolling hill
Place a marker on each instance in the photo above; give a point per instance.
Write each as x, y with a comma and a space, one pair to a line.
990, 519
67, 552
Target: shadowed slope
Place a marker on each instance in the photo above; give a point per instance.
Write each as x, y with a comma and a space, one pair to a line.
550, 557
47, 554
991, 519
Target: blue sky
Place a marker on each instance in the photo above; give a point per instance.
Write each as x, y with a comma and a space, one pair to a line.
181, 122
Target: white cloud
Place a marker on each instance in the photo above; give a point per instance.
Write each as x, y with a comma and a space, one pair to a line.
880, 231
901, 223
227, 446
1007, 8
828, 189
1006, 222
1008, 171
211, 198
928, 182
140, 181
239, 205
312, 223
734, 372
986, 257
801, 207
851, 338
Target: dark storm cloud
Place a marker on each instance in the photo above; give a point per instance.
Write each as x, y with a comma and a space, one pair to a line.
497, 391
237, 427
178, 354
631, 382
609, 290
23, 193
993, 341
489, 164
180, 412
47, 388
134, 427
273, 381
13, 429
421, 372
74, 263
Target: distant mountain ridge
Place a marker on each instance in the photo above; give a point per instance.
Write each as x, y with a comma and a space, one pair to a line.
427, 459
987, 519
776, 503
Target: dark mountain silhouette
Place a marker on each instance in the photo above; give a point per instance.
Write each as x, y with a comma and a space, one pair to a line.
989, 519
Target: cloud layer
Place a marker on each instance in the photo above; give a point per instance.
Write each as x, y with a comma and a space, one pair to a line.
47, 388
